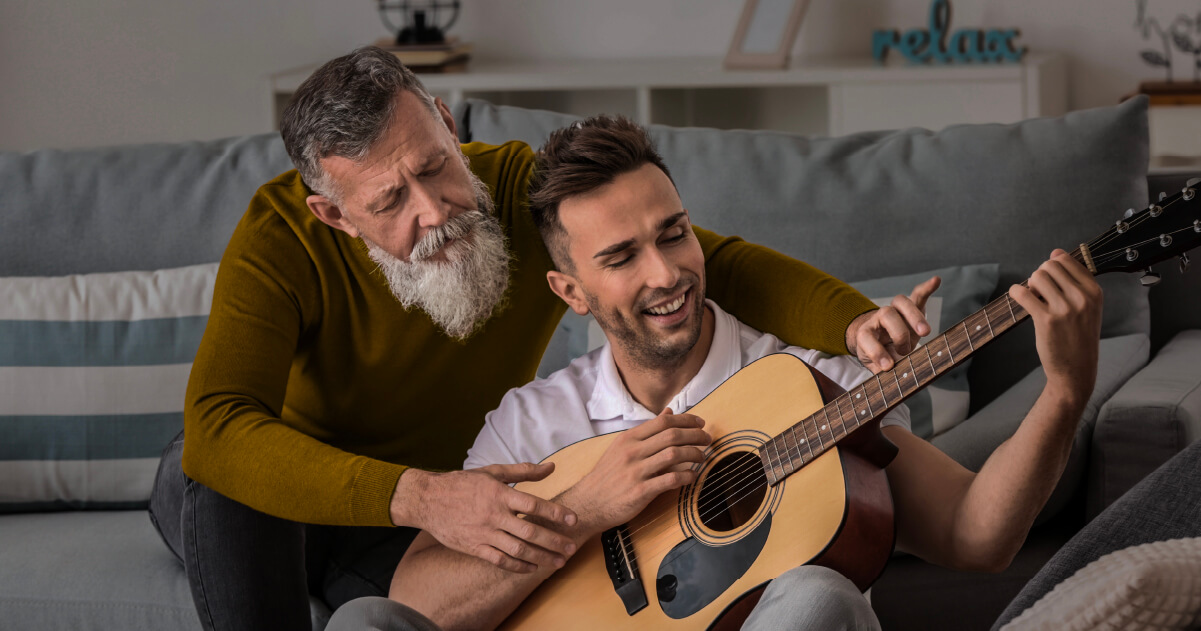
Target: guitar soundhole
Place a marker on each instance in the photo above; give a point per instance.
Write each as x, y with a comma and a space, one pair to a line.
732, 492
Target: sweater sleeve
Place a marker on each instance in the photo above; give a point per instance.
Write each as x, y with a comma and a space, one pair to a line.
235, 440
776, 294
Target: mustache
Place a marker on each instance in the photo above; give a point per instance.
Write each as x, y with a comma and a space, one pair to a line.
437, 237
659, 295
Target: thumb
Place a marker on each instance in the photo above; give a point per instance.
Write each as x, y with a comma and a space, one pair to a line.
922, 292
522, 472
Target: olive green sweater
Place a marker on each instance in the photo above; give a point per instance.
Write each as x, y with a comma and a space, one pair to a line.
313, 388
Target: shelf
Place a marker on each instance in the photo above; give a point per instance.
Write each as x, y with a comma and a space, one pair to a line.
832, 96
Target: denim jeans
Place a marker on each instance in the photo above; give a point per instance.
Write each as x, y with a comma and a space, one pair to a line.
250, 570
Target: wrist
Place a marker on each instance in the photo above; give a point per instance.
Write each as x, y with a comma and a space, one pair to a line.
407, 498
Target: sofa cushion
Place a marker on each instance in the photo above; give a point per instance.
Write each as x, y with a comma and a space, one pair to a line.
137, 207
1149, 586
93, 570
93, 370
973, 441
884, 203
964, 291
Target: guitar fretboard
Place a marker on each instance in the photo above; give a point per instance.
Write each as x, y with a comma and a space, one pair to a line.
815, 434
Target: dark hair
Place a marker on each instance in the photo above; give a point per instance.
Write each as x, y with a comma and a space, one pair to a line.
579, 159
343, 108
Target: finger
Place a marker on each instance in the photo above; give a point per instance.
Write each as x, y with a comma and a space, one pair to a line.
922, 293
670, 457
673, 436
1030, 302
661, 484
502, 560
1048, 290
520, 472
520, 549
1079, 272
913, 314
899, 331
1068, 285
533, 506
663, 422
871, 349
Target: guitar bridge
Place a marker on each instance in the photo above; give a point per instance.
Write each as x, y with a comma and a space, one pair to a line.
623, 569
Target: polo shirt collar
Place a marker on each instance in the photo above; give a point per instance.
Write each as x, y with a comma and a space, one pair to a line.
610, 399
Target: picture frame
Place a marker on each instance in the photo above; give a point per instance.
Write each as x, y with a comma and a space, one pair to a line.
766, 32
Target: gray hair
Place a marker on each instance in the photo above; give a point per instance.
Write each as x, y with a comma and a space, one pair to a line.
342, 109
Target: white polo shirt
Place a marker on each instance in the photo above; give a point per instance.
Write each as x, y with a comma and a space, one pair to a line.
588, 398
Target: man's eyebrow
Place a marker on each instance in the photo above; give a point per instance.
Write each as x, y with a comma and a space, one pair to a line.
379, 201
614, 249
672, 220
618, 247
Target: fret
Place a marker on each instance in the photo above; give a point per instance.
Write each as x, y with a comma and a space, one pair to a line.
1009, 303
841, 417
946, 340
969, 336
805, 438
788, 450
900, 390
912, 373
881, 387
868, 400
821, 444
776, 465
988, 320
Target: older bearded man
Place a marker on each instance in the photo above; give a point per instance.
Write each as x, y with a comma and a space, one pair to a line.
324, 399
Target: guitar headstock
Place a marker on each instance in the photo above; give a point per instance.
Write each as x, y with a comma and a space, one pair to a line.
1168, 228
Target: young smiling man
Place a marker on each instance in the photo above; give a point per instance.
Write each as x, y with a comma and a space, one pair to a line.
371, 307
626, 253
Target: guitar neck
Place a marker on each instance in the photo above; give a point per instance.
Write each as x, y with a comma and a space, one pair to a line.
872, 399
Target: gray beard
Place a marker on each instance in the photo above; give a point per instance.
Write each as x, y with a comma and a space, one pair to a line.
462, 292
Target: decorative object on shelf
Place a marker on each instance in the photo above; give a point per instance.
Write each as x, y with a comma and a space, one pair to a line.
932, 45
420, 21
420, 40
1184, 33
765, 34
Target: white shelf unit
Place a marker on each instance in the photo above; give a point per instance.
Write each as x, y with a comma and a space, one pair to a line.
828, 97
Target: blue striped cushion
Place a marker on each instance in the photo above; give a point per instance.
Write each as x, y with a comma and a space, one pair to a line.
93, 370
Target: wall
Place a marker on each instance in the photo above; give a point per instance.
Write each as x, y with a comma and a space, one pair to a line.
81, 73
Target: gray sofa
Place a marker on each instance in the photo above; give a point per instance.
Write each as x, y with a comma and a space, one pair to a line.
867, 206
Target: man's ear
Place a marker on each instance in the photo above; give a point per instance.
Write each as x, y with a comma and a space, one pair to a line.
567, 287
330, 214
447, 117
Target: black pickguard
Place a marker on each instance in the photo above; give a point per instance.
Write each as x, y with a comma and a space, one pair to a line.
694, 574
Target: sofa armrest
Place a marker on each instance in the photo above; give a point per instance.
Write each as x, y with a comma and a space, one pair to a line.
1151, 418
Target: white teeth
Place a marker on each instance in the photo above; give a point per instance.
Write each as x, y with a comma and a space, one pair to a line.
670, 307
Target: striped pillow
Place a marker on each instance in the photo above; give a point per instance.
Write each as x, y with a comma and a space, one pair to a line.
93, 370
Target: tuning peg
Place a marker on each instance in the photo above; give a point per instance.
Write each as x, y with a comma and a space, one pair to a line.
1128, 214
1193, 182
1165, 240
1131, 254
1187, 193
1197, 225
1149, 279
1156, 210
1163, 196
1183, 262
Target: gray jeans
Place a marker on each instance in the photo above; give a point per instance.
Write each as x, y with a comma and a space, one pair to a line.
807, 597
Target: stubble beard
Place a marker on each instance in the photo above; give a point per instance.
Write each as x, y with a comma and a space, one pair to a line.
639, 342
461, 293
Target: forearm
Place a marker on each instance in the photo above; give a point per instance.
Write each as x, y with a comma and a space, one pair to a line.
774, 293
1011, 488
459, 591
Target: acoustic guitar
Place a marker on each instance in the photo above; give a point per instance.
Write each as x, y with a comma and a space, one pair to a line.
793, 476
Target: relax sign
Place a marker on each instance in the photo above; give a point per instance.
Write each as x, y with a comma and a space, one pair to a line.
963, 46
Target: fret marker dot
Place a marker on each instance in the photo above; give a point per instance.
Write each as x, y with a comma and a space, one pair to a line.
904, 374
858, 396
939, 353
862, 412
977, 327
823, 427
802, 441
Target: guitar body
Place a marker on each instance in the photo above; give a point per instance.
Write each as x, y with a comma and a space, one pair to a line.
708, 549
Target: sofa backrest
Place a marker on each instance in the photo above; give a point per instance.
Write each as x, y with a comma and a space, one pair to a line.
884, 203
141, 207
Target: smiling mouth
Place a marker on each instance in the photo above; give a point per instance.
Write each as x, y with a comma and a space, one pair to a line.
669, 308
